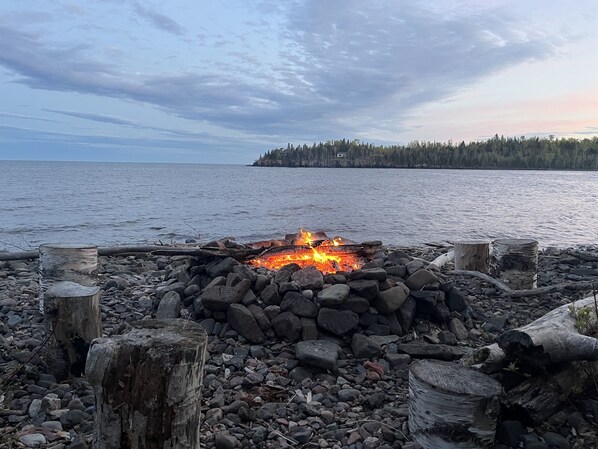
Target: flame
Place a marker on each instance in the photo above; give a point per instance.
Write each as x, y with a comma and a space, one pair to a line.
305, 254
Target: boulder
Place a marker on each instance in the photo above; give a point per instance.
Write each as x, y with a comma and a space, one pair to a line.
287, 326
219, 298
420, 279
260, 316
334, 296
338, 322
270, 294
222, 267
170, 306
242, 320
308, 278
390, 300
367, 289
364, 347
298, 304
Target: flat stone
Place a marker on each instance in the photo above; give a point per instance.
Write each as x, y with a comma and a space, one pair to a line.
456, 326
319, 353
367, 289
298, 304
364, 347
339, 322
219, 298
430, 351
335, 295
170, 306
390, 300
222, 268
33, 440
420, 279
308, 278
178, 287
375, 274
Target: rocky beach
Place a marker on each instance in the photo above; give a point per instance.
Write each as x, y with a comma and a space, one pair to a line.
295, 358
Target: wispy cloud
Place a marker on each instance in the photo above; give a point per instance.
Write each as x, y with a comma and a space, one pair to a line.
95, 117
159, 20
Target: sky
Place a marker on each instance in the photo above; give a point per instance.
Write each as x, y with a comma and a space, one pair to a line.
224, 81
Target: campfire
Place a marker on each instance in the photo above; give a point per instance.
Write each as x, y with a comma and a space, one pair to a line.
313, 249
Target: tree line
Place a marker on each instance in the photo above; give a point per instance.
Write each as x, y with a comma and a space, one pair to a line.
496, 153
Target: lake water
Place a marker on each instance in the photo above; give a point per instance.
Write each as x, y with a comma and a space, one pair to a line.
119, 203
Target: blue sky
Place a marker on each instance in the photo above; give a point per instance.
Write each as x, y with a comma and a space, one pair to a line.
223, 81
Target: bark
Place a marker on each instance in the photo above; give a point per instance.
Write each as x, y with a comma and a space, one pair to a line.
488, 359
451, 406
72, 314
515, 262
552, 338
472, 256
147, 386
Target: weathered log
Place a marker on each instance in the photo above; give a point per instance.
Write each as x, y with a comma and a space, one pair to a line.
498, 284
72, 315
237, 253
538, 398
552, 338
147, 386
586, 256
61, 262
442, 260
472, 255
515, 262
451, 406
487, 359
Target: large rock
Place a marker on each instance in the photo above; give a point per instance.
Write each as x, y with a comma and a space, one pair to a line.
178, 287
390, 300
376, 274
420, 279
364, 347
334, 296
308, 278
339, 322
222, 267
170, 306
219, 298
285, 273
270, 295
310, 329
455, 300
298, 304
260, 316
287, 326
367, 289
357, 304
319, 353
242, 320
406, 313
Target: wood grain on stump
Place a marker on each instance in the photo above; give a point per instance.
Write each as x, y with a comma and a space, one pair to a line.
147, 385
451, 406
515, 262
472, 255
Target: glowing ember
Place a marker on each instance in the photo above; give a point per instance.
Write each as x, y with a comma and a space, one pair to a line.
328, 256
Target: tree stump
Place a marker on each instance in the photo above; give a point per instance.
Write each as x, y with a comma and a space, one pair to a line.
472, 255
451, 406
59, 262
72, 314
147, 386
515, 262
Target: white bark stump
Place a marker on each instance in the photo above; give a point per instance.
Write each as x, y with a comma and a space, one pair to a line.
515, 262
451, 406
472, 256
59, 262
147, 386
72, 314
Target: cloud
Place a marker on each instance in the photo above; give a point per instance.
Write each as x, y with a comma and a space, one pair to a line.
95, 117
160, 21
25, 117
346, 66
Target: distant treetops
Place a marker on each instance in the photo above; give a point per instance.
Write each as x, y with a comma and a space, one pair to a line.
495, 153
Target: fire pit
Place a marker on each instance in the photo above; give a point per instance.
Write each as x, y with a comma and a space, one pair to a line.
307, 248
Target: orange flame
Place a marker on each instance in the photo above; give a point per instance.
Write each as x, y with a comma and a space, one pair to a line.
323, 257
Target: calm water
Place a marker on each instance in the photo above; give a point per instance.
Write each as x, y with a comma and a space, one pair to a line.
104, 204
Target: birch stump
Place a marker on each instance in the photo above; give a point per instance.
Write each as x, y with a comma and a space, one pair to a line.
147, 386
515, 262
451, 406
72, 316
472, 255
60, 262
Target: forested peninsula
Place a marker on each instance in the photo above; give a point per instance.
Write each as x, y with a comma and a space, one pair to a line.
495, 153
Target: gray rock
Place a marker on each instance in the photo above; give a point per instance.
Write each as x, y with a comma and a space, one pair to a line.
242, 320
261, 282
430, 351
222, 268
50, 402
364, 347
286, 287
397, 270
287, 326
208, 325
33, 440
455, 300
508, 432
260, 316
319, 353
308, 278
219, 298
309, 330
301, 434
458, 328
357, 304
339, 322
170, 306
390, 300
398, 361
298, 304
420, 279
72, 418
14, 320
406, 313
272, 312
285, 273
335, 295
555, 441
348, 394
365, 288
178, 287
270, 294
34, 408
225, 441
375, 274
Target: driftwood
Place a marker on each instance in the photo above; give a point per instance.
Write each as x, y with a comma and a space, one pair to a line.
73, 318
583, 255
442, 260
515, 262
538, 398
488, 359
552, 338
472, 255
159, 250
147, 386
451, 406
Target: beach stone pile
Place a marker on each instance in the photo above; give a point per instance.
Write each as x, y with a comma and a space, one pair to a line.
324, 384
